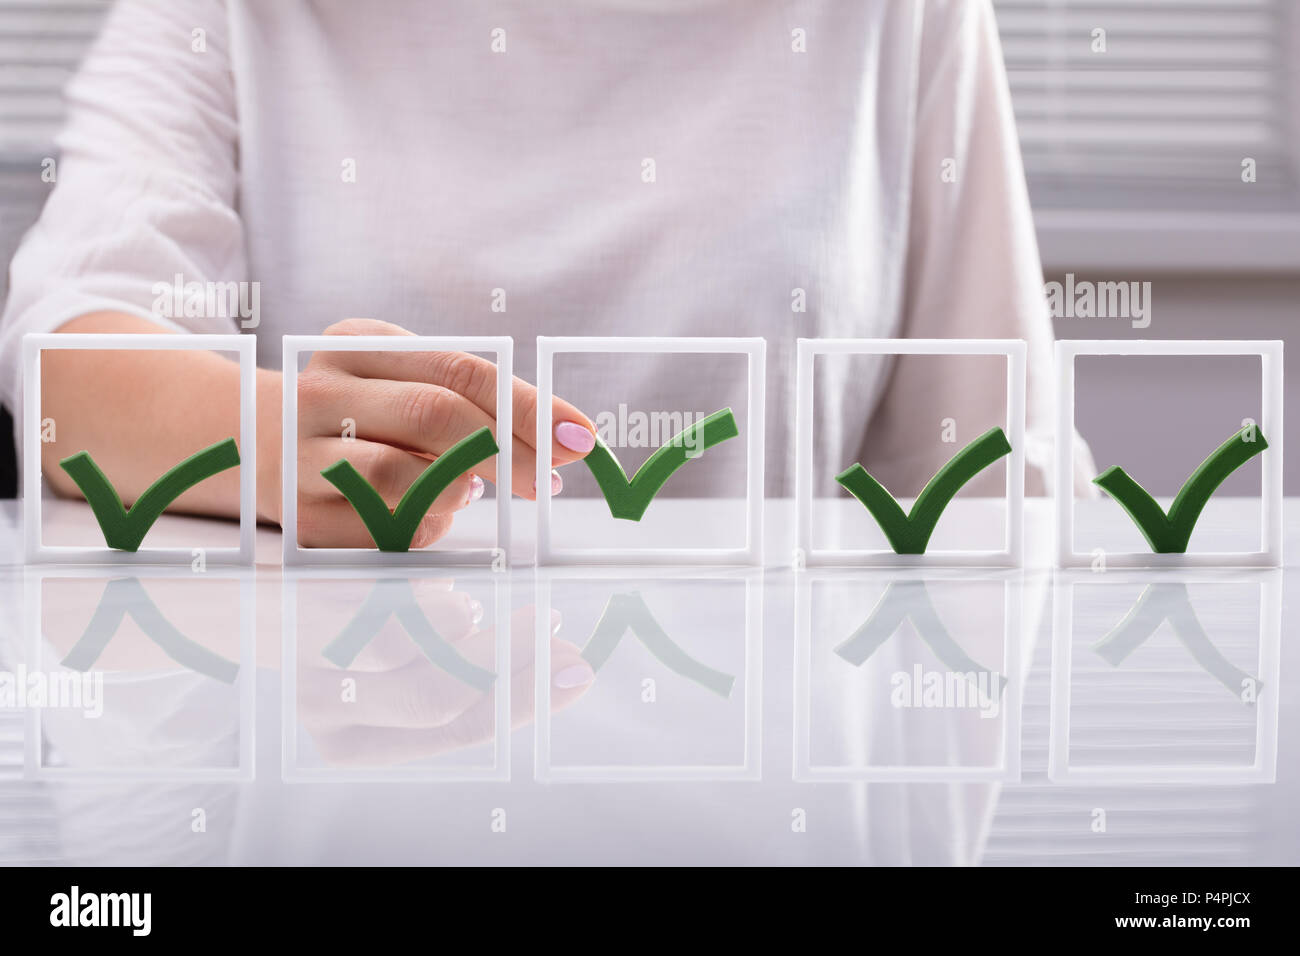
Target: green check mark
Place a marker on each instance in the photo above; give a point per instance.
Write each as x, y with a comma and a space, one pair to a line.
629, 499
909, 533
1169, 533
123, 529
393, 530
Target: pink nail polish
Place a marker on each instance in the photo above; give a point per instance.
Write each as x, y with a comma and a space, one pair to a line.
575, 437
575, 675
475, 487
557, 483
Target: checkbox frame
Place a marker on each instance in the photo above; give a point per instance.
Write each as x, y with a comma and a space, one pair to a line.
1264, 767
293, 770
37, 552
1008, 767
1012, 552
755, 349
34, 766
1271, 394
749, 769
293, 555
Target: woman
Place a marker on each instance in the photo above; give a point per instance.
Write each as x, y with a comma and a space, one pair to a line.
596, 167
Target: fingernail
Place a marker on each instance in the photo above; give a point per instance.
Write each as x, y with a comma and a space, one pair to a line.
555, 621
575, 437
557, 483
475, 611
475, 487
575, 675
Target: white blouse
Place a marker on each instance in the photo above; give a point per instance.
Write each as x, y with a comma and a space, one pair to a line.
584, 167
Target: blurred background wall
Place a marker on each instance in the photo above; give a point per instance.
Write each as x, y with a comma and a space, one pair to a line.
1161, 145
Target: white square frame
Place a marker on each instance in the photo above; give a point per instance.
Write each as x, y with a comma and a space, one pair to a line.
544, 771
291, 771
245, 347
1012, 553
34, 767
1270, 354
752, 551
1263, 770
497, 556
1007, 770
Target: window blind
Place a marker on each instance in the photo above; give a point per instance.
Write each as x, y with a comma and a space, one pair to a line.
41, 43
1160, 109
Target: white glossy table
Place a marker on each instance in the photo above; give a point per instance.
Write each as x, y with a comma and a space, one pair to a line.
735, 715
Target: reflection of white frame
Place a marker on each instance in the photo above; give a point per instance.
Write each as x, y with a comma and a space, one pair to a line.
502, 347
1011, 555
1263, 770
243, 345
1006, 771
34, 767
749, 769
756, 350
291, 772
1270, 354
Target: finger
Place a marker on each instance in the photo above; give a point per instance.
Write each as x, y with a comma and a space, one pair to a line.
327, 359
470, 375
475, 378
366, 327
391, 471
572, 433
413, 415
421, 418
426, 419
335, 524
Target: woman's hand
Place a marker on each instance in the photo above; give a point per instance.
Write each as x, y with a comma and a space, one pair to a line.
409, 408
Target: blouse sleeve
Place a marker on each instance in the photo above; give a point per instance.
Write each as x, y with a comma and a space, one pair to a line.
145, 183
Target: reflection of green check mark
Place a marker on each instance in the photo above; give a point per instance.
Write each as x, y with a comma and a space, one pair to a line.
910, 533
125, 596
629, 499
393, 530
1169, 533
624, 612
124, 530
394, 597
